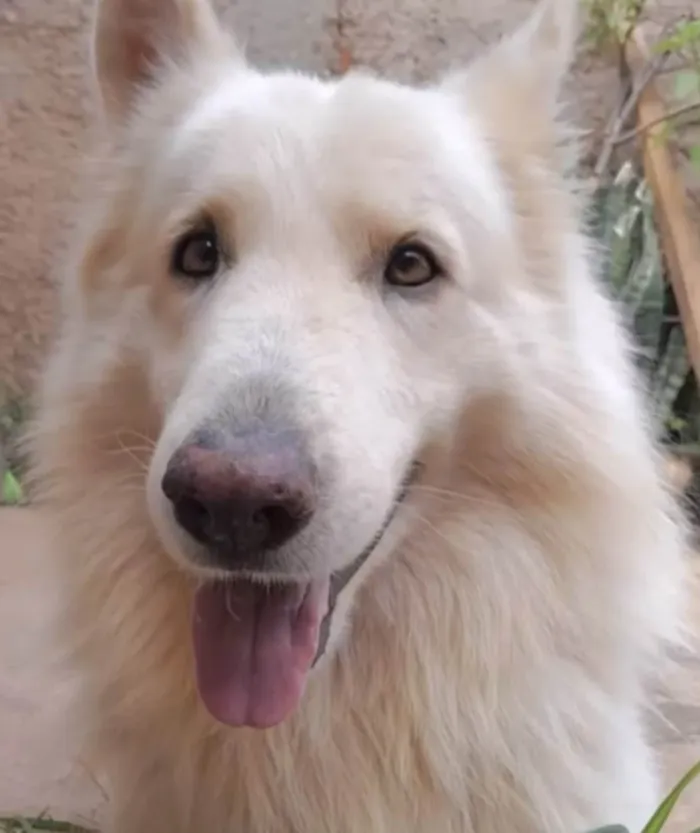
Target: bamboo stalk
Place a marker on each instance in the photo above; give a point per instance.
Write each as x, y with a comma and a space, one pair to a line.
679, 238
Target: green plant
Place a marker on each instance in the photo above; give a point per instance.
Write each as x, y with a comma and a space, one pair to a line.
611, 21
11, 492
12, 417
657, 822
682, 44
624, 210
634, 271
676, 53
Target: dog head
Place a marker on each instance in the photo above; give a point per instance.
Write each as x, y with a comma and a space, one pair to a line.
316, 276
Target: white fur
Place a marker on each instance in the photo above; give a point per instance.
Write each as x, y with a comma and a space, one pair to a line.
488, 667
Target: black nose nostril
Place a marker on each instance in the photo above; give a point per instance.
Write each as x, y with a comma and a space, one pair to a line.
279, 523
247, 496
260, 522
193, 517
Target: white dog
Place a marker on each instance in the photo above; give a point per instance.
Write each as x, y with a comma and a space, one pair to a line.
361, 528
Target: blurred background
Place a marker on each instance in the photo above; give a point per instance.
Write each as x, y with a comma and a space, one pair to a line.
45, 104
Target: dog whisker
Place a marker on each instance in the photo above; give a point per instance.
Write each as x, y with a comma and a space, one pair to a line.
448, 496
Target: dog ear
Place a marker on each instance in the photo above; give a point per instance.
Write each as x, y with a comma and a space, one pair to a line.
132, 38
528, 67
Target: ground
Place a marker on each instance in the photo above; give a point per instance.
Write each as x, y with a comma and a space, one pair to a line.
39, 768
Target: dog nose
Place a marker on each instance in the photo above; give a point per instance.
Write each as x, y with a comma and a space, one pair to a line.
243, 495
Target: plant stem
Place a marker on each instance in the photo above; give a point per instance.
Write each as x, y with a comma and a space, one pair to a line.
644, 128
624, 113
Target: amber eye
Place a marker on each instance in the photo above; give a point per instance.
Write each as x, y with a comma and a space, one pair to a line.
196, 255
411, 265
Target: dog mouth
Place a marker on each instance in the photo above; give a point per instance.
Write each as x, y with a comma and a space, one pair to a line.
255, 643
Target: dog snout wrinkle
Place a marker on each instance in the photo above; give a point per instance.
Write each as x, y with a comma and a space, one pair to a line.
241, 495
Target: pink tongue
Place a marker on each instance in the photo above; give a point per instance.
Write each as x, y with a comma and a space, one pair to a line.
254, 646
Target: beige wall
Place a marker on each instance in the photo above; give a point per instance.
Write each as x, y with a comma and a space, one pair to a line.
44, 105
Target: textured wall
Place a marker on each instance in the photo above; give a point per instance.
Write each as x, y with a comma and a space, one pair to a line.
44, 105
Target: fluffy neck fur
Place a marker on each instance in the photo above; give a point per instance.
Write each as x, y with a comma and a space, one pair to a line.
515, 609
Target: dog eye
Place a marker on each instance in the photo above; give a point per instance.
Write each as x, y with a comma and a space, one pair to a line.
411, 265
196, 255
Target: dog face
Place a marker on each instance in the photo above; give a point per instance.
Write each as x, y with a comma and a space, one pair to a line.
317, 276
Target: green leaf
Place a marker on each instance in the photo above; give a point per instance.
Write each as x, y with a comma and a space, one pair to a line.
11, 489
686, 84
610, 828
686, 33
694, 156
643, 288
670, 376
660, 817
618, 225
676, 424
